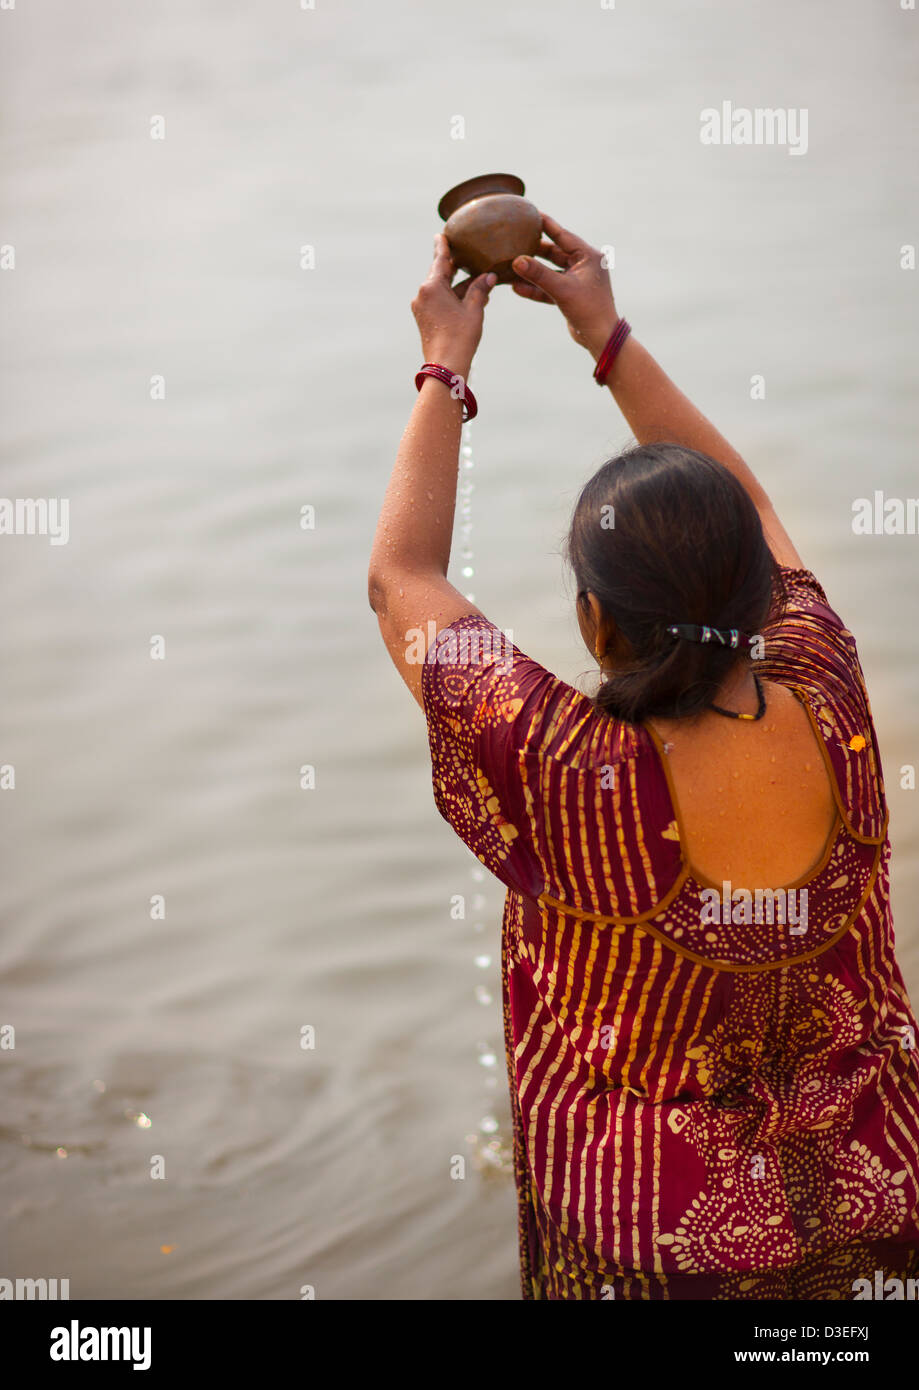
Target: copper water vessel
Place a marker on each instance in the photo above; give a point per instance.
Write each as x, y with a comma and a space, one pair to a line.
488, 223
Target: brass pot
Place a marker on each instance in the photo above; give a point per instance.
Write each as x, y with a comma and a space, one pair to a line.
488, 223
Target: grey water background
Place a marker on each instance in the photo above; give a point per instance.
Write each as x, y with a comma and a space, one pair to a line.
286, 387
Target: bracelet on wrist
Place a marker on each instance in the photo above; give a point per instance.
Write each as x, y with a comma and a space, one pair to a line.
611, 351
470, 406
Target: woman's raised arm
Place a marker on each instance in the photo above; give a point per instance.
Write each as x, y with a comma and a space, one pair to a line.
654, 407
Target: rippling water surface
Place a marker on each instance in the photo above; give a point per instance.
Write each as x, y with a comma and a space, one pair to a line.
179, 1036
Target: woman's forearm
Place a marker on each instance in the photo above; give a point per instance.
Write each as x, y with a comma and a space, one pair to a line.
415, 528
656, 409
577, 280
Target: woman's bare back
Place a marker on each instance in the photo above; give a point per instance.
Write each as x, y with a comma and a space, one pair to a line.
754, 798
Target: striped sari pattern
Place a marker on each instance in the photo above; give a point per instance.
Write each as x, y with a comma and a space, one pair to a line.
701, 1107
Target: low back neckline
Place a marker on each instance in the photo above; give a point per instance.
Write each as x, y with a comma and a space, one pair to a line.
840, 820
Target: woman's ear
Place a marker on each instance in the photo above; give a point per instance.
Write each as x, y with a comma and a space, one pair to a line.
596, 629
604, 634
586, 619
596, 612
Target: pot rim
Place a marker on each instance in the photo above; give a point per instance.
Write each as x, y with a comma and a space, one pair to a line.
478, 187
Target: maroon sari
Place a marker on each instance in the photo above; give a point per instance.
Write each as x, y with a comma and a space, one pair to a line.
702, 1108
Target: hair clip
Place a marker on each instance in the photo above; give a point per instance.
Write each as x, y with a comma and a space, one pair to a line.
696, 632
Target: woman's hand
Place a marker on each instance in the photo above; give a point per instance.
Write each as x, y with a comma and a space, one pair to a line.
450, 327
580, 287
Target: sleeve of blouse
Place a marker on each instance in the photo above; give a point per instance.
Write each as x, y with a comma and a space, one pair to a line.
810, 646
484, 701
810, 642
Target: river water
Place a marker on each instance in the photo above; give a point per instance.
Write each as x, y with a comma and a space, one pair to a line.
177, 910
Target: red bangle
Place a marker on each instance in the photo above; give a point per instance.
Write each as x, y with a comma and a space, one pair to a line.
608, 355
470, 408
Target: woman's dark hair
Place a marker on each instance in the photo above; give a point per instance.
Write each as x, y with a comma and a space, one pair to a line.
663, 535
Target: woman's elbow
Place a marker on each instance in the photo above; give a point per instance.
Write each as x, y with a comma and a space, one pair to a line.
376, 591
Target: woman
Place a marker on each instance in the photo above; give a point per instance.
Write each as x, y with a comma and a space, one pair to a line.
711, 1054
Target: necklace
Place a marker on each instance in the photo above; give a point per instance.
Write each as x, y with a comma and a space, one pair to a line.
733, 714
